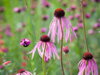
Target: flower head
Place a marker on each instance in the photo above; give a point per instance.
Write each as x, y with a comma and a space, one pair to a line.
5, 50
96, 26
91, 32
17, 10
1, 66
45, 17
87, 65
59, 13
58, 24
87, 15
80, 25
23, 72
73, 7
43, 30
6, 63
84, 4
66, 49
75, 29
8, 30
45, 44
25, 42
45, 3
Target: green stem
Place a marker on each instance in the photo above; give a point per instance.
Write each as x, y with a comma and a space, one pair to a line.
61, 56
43, 62
83, 14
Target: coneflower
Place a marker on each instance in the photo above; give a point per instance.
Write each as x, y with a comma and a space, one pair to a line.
45, 3
87, 65
25, 42
59, 23
57, 27
6, 63
23, 72
66, 49
47, 45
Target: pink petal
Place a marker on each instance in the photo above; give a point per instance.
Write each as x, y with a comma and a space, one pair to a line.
34, 49
54, 50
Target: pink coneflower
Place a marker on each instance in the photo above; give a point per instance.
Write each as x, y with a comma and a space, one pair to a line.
5, 50
91, 32
44, 45
6, 63
17, 10
71, 17
73, 7
45, 17
75, 28
88, 15
8, 30
84, 4
25, 42
43, 30
1, 66
45, 3
59, 23
87, 65
77, 16
80, 25
66, 49
23, 72
96, 26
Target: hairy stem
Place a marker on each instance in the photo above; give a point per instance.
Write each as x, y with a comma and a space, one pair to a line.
83, 18
61, 56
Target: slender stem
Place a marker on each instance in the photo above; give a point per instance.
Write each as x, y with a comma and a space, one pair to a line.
83, 12
43, 61
61, 49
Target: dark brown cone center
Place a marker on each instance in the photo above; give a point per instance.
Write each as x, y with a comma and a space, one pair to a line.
87, 56
59, 13
21, 71
45, 38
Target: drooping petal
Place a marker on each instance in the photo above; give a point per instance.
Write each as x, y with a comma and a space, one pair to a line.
28, 73
34, 49
47, 52
18, 74
40, 51
95, 67
52, 29
88, 67
81, 66
69, 29
54, 50
59, 26
65, 23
